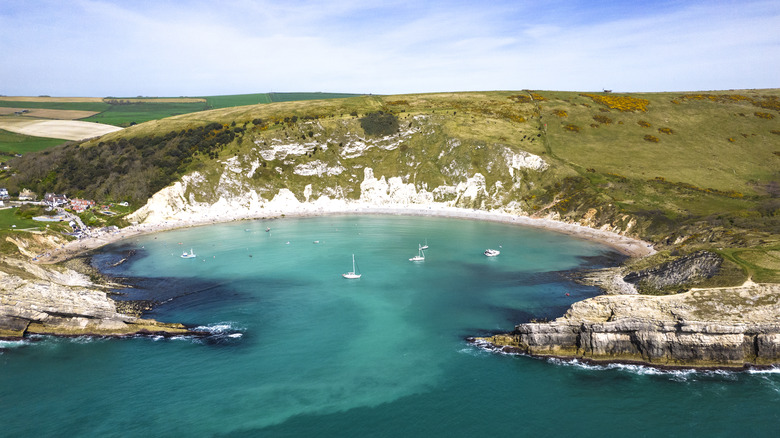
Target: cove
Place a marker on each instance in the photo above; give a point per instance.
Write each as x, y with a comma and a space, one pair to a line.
298, 350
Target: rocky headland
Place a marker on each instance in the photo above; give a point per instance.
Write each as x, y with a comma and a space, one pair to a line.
60, 301
711, 328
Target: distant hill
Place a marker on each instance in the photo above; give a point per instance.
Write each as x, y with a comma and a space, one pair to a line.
117, 111
684, 170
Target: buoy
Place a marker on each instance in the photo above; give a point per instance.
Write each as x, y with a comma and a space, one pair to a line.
567, 294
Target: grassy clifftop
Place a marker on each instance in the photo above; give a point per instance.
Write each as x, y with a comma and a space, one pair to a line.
684, 170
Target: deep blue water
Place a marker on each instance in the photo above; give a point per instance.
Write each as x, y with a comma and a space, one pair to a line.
296, 350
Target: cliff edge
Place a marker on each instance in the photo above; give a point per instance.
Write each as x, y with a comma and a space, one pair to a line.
708, 328
37, 300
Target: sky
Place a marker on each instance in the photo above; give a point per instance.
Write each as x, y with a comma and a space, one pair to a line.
202, 47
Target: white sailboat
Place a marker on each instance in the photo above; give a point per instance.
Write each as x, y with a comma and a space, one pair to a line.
190, 255
426, 245
420, 257
353, 273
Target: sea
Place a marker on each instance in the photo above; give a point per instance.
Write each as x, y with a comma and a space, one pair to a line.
293, 349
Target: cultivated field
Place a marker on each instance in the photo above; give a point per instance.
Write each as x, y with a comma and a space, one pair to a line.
50, 113
155, 99
49, 99
65, 129
12, 143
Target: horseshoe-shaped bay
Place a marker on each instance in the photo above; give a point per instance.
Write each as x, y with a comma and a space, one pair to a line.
297, 349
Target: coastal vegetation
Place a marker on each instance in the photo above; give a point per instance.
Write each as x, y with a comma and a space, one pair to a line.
684, 189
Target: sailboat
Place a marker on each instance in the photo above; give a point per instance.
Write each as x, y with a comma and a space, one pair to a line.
426, 245
420, 257
190, 255
353, 273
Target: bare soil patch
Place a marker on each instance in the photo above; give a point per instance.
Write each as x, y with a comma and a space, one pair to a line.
65, 129
41, 113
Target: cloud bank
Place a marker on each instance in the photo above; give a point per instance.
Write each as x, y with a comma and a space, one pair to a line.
193, 47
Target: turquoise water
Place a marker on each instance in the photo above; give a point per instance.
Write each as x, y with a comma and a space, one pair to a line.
296, 350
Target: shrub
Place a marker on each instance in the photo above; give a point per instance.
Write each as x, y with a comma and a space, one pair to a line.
561, 113
379, 123
665, 130
775, 131
767, 116
644, 124
571, 128
602, 119
651, 138
621, 103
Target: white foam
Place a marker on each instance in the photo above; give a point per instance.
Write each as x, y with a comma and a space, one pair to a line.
13, 344
219, 328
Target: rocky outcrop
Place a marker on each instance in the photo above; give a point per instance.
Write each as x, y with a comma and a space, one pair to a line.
682, 271
713, 328
63, 302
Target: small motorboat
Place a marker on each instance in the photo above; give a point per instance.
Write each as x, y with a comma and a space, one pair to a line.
492, 252
188, 255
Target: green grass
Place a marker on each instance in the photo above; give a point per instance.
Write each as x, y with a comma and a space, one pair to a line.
125, 115
12, 143
698, 151
762, 264
215, 102
292, 97
8, 218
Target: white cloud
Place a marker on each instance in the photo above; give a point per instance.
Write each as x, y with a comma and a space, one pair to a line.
163, 48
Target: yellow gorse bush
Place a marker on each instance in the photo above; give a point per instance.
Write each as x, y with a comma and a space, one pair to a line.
767, 102
621, 103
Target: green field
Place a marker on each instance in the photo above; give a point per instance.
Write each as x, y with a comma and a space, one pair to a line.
227, 101
81, 106
9, 218
134, 113
12, 143
292, 97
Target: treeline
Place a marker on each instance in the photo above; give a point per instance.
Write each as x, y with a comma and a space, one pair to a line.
123, 170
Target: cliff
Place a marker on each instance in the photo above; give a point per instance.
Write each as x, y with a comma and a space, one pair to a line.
712, 328
37, 300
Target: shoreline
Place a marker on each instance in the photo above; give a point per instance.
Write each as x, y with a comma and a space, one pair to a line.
625, 245
481, 343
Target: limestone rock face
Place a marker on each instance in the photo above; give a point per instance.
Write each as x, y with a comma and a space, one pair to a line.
729, 327
53, 304
702, 264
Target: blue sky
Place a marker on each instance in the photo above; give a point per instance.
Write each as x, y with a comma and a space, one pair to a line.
204, 47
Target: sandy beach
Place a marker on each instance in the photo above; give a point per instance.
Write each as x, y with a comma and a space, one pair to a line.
625, 245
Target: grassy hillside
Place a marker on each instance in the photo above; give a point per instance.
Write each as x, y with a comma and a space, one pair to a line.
684, 170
